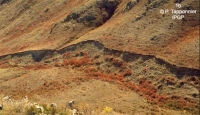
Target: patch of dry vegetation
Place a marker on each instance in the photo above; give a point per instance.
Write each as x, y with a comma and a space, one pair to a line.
112, 68
26, 107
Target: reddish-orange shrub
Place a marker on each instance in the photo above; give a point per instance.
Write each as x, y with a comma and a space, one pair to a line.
74, 61
66, 55
66, 62
3, 62
117, 62
144, 88
77, 62
162, 98
90, 69
85, 59
4, 66
120, 78
57, 64
127, 73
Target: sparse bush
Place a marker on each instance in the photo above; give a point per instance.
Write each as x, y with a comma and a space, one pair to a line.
31, 111
57, 64
174, 105
127, 73
108, 58
64, 113
66, 55
107, 110
117, 62
84, 108
77, 62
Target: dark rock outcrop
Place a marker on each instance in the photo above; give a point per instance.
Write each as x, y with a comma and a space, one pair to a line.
4, 1
94, 13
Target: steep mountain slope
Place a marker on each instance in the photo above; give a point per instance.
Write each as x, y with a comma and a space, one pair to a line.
29, 24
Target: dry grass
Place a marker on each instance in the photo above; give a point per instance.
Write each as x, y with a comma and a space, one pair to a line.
21, 107
61, 73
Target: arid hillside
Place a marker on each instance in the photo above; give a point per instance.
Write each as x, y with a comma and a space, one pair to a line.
124, 54
133, 26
